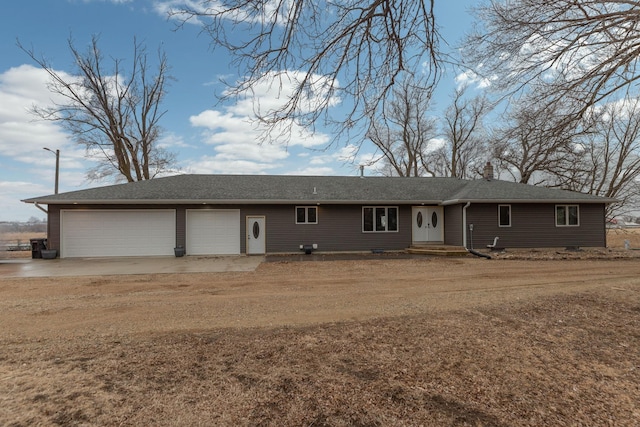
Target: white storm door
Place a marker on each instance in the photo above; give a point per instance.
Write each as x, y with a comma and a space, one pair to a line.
435, 224
256, 242
420, 227
213, 232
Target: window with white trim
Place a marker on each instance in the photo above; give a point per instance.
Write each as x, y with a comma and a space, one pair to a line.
567, 216
504, 215
306, 215
379, 219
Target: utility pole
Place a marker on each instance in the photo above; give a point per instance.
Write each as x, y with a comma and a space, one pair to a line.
57, 153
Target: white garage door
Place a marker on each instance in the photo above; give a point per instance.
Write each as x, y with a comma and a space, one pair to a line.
213, 232
100, 233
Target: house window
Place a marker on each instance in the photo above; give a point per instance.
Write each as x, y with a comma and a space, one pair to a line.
306, 215
567, 215
379, 219
504, 215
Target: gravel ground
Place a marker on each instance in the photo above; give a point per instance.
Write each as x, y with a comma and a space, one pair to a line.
370, 342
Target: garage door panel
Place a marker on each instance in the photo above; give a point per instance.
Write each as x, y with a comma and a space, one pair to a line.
118, 233
213, 232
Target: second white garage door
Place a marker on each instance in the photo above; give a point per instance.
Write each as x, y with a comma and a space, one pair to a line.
213, 232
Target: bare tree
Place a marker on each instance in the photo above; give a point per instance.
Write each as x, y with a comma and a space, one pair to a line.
115, 114
610, 164
350, 51
534, 144
585, 50
466, 148
402, 131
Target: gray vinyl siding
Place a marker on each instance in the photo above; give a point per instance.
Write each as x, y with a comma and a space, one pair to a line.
533, 226
453, 225
339, 227
53, 227
181, 227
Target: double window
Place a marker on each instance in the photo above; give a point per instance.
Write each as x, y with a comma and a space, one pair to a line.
504, 215
567, 216
379, 219
306, 215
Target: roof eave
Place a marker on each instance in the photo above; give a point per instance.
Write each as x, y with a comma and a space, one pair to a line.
229, 202
506, 201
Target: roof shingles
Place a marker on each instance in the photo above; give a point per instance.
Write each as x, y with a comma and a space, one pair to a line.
307, 189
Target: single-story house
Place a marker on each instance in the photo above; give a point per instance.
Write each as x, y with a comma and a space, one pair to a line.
257, 214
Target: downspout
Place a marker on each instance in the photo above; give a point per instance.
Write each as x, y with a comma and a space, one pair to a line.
464, 234
41, 208
464, 224
48, 222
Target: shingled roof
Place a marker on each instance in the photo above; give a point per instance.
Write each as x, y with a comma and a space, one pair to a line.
263, 189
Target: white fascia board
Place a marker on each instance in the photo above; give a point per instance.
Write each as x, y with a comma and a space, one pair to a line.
233, 202
512, 201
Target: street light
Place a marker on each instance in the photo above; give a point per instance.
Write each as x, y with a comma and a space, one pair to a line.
57, 153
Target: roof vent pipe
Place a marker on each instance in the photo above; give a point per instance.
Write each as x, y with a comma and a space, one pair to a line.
487, 173
361, 171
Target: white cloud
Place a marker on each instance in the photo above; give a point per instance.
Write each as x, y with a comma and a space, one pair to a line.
220, 165
22, 135
173, 9
171, 141
11, 209
110, 1
436, 144
237, 136
350, 156
469, 78
26, 170
313, 171
274, 89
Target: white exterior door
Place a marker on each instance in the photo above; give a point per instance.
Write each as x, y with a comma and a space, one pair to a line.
435, 215
420, 230
256, 242
427, 224
105, 233
213, 232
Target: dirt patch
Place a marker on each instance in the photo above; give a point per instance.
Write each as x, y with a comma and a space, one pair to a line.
461, 342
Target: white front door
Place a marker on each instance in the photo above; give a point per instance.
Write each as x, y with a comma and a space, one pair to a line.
436, 223
256, 242
428, 224
420, 228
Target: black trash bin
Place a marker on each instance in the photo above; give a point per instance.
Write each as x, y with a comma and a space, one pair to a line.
37, 245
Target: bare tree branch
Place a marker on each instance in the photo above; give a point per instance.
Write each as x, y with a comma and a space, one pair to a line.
535, 141
610, 165
403, 131
355, 51
115, 116
466, 147
585, 50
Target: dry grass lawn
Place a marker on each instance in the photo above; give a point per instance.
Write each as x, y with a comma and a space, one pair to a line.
433, 342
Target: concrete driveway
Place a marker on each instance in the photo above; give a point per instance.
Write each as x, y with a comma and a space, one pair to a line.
128, 265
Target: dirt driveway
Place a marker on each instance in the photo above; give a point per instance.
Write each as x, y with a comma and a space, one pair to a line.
326, 343
288, 293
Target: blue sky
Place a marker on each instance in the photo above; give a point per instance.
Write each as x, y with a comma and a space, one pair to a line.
209, 138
